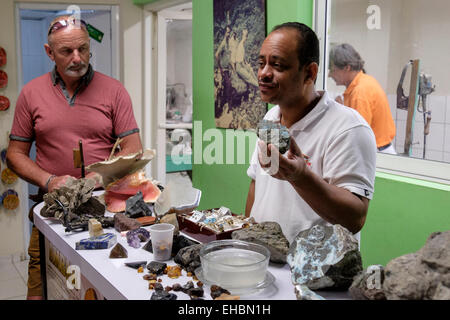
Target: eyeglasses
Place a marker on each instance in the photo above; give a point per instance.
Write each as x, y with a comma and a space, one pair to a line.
60, 24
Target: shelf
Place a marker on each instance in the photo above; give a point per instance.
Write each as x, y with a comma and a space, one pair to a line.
179, 125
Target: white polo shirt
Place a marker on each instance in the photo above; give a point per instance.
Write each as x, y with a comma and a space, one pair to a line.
341, 149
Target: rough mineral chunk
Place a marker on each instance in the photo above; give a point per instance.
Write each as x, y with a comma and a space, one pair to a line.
136, 206
268, 234
118, 252
123, 223
423, 275
171, 219
302, 292
163, 295
217, 291
135, 237
196, 292
368, 285
156, 267
95, 228
274, 133
324, 257
104, 241
136, 265
189, 257
173, 272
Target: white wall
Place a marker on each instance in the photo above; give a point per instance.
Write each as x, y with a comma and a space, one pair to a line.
410, 29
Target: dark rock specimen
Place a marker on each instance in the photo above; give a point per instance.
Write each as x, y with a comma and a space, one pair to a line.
188, 286
136, 236
136, 265
136, 207
118, 252
216, 291
179, 242
156, 267
423, 275
123, 223
196, 292
274, 133
163, 295
324, 257
368, 285
189, 257
268, 234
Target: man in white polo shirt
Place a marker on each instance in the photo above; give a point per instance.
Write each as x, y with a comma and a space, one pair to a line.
327, 176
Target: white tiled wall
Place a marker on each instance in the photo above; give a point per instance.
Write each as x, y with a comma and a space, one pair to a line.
437, 141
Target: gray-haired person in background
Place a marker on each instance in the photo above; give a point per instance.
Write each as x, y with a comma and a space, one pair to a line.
363, 93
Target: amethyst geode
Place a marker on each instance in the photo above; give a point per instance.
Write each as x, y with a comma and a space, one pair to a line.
135, 237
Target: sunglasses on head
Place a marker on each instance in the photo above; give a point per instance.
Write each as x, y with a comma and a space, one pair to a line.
60, 24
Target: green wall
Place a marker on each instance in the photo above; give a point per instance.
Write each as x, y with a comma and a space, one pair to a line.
403, 212
225, 184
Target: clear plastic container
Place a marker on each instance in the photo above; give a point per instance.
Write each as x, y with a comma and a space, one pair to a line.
234, 263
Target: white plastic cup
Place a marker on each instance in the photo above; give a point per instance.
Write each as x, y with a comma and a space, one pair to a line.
162, 240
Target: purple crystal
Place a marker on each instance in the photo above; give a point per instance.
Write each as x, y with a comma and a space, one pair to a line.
134, 237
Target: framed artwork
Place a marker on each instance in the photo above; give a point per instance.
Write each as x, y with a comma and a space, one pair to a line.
239, 31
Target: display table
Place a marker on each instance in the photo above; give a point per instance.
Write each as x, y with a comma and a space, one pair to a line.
102, 277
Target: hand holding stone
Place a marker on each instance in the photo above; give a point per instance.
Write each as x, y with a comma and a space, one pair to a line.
289, 167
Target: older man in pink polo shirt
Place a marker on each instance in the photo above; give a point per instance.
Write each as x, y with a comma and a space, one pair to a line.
71, 103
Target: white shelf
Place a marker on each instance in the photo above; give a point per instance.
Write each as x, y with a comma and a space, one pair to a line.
179, 125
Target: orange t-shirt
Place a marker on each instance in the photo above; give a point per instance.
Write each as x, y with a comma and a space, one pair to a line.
365, 95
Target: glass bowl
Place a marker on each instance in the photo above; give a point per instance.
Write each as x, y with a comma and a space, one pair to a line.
234, 263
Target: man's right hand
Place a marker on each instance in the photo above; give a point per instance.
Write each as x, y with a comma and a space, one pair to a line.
57, 182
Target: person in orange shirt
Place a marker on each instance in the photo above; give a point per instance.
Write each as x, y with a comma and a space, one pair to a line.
363, 93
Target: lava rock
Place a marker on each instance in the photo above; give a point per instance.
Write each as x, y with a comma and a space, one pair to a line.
189, 257
118, 252
136, 207
324, 257
268, 234
156, 267
123, 223
136, 236
423, 275
274, 133
368, 284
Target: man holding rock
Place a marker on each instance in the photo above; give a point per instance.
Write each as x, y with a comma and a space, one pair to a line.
327, 175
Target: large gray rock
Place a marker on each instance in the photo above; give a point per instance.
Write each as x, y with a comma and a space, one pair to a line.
423, 275
368, 285
268, 234
324, 257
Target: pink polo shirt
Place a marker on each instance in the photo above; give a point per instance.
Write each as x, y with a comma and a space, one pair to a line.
101, 112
